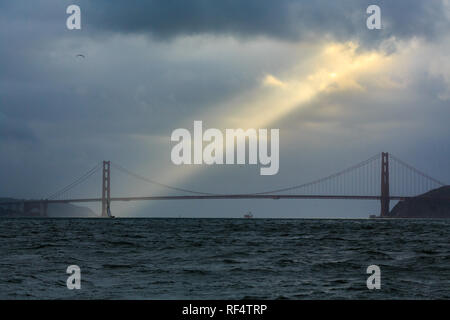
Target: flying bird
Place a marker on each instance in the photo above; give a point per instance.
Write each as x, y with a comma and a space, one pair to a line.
81, 55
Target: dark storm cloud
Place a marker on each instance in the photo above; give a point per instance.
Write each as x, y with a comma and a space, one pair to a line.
14, 131
286, 19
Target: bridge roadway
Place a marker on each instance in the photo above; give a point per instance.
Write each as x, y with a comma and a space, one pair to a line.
218, 197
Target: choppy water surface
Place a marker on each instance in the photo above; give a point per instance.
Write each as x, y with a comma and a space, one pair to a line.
224, 258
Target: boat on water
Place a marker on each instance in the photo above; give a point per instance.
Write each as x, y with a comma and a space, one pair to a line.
248, 215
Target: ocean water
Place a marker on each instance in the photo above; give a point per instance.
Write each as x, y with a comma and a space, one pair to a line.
224, 258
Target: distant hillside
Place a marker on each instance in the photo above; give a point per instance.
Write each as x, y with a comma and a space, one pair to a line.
424, 207
56, 210
69, 210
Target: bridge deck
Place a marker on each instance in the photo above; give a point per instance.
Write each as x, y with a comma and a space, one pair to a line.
218, 197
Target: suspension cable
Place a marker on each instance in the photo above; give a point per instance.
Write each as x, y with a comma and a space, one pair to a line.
75, 183
416, 170
357, 166
137, 176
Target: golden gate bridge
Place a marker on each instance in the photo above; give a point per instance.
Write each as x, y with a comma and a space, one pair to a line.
382, 177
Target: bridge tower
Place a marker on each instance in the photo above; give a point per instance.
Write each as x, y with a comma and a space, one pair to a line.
385, 197
106, 188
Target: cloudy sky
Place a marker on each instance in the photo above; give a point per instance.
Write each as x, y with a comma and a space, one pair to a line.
338, 92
